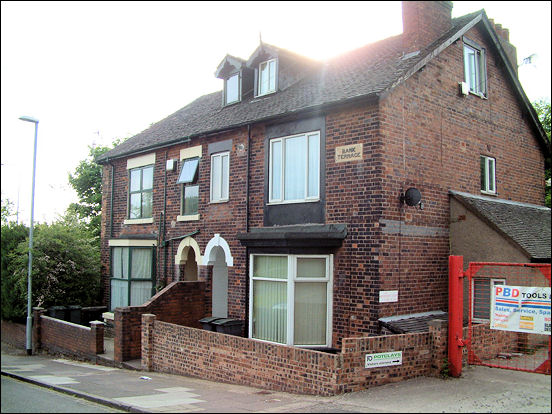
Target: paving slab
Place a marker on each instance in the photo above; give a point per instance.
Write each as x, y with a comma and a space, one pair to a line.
479, 389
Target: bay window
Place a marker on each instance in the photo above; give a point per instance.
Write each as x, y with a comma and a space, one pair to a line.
131, 276
290, 299
294, 172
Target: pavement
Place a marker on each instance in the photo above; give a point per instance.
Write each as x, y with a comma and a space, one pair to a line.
479, 389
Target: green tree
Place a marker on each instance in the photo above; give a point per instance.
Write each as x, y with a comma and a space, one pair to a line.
12, 235
543, 111
87, 182
66, 268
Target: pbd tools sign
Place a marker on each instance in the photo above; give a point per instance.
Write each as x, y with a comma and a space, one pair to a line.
521, 309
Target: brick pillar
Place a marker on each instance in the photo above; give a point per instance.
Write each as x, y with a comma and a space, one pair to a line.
119, 330
438, 332
97, 337
148, 320
37, 332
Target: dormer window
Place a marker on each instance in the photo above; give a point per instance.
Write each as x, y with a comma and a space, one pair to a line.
232, 89
267, 77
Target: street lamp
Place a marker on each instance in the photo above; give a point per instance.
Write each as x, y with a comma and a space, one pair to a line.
29, 278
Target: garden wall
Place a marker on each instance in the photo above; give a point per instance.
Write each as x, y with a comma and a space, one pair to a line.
181, 303
214, 356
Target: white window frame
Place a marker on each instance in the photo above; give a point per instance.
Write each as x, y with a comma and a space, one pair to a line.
142, 218
480, 68
291, 281
238, 99
260, 78
282, 199
486, 183
494, 281
223, 172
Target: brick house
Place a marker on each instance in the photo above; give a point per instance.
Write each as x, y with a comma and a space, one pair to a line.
313, 198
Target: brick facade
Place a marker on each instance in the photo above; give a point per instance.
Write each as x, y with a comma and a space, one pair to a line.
421, 134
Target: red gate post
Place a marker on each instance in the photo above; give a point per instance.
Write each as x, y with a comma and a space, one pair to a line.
455, 314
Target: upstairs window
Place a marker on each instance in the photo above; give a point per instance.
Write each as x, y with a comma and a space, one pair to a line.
474, 68
141, 192
190, 188
267, 77
220, 172
294, 174
488, 175
232, 87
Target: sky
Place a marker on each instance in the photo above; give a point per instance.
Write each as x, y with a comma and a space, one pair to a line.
91, 72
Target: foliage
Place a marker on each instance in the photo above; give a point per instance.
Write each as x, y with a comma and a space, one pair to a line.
12, 235
87, 182
65, 268
7, 210
543, 111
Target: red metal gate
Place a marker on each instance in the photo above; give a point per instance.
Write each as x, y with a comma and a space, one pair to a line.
496, 287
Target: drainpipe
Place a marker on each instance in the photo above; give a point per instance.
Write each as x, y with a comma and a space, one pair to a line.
111, 202
161, 243
246, 321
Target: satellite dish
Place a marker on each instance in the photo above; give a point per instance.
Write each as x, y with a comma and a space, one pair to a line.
412, 197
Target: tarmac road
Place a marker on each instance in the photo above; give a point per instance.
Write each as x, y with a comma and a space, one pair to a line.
480, 389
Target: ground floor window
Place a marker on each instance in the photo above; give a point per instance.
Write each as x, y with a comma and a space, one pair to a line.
131, 276
481, 294
291, 299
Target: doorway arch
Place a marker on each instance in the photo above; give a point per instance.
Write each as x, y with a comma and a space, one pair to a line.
187, 260
217, 254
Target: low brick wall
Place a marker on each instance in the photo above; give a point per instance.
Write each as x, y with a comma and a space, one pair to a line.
56, 335
210, 355
14, 334
181, 303
487, 343
423, 354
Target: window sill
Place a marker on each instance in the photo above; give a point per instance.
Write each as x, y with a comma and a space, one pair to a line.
219, 201
278, 203
489, 193
480, 95
139, 221
190, 217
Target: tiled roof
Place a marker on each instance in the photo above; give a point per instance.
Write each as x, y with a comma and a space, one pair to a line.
362, 73
527, 225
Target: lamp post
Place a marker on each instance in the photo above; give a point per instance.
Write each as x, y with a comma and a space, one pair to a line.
29, 345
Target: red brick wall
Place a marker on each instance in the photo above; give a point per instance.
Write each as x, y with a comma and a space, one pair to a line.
210, 355
433, 138
181, 303
66, 337
14, 334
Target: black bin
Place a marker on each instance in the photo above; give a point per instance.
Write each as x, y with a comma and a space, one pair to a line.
229, 326
74, 314
57, 312
207, 323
